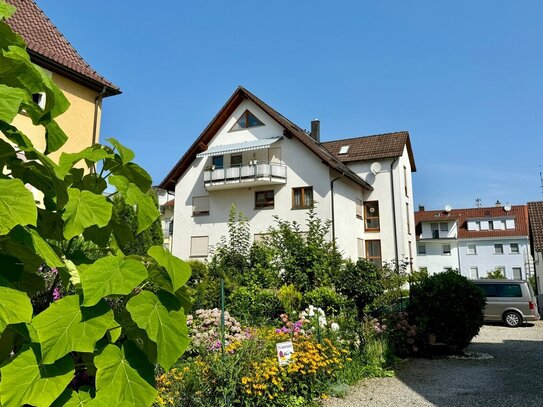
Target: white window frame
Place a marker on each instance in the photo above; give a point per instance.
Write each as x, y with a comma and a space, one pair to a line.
495, 251
476, 272
511, 248
443, 253
194, 252
419, 246
513, 271
474, 249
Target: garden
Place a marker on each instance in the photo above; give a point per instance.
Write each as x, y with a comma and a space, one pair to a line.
251, 299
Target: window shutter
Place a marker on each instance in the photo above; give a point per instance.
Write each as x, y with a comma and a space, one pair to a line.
199, 246
484, 225
510, 223
360, 244
359, 208
200, 205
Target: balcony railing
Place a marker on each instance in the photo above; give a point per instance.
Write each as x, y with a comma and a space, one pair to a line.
256, 173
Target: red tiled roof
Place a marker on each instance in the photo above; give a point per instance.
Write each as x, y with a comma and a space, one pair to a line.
171, 203
518, 212
535, 215
291, 131
373, 147
50, 49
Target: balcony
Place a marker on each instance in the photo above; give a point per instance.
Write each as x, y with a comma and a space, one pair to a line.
254, 174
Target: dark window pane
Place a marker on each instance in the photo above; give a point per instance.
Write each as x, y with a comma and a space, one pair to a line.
218, 161
491, 290
510, 290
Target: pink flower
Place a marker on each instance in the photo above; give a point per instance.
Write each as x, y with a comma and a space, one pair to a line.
56, 294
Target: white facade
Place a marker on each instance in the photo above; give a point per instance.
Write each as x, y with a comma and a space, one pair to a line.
165, 203
204, 194
512, 255
437, 248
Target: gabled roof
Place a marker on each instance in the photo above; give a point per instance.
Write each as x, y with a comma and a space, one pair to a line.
50, 49
461, 216
535, 215
373, 147
291, 131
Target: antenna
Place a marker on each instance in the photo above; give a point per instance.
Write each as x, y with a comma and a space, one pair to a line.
478, 202
541, 180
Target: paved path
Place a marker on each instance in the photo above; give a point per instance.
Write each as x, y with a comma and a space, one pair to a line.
512, 378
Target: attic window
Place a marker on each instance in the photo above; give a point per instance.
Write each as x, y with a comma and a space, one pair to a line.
246, 121
344, 149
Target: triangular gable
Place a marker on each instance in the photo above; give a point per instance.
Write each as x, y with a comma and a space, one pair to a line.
290, 131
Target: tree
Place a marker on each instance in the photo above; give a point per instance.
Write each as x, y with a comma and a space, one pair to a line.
76, 347
495, 274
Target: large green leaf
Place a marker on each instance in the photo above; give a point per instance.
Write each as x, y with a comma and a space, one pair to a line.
54, 136
29, 247
66, 327
125, 153
26, 380
177, 269
6, 10
137, 175
17, 206
124, 376
164, 321
91, 154
15, 307
10, 102
111, 275
146, 210
72, 398
85, 209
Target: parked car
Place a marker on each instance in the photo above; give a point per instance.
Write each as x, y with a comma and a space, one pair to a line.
510, 301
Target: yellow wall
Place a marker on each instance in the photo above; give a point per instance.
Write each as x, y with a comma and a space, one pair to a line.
77, 122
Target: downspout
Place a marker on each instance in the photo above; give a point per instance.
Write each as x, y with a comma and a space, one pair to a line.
458, 250
332, 203
97, 104
394, 213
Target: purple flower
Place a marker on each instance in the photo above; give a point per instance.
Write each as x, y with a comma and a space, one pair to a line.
56, 294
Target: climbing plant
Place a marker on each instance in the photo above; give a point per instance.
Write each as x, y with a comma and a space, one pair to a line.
99, 330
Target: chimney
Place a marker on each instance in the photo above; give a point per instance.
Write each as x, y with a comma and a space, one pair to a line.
316, 130
498, 204
421, 208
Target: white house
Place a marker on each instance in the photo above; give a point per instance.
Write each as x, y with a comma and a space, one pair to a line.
253, 157
166, 203
475, 241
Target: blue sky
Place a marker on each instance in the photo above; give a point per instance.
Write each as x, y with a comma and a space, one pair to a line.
463, 77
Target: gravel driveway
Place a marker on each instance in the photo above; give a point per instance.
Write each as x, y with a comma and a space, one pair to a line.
512, 378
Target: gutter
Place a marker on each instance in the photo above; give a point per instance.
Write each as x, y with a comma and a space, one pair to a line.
332, 204
97, 104
394, 213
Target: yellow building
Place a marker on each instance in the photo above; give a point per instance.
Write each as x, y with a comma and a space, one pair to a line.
83, 86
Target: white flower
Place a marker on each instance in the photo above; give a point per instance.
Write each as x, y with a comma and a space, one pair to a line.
334, 326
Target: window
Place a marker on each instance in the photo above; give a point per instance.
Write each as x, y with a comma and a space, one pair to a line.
264, 199
446, 249
423, 270
513, 248
360, 247
448, 268
218, 161
498, 248
373, 252
435, 230
405, 180
246, 121
472, 248
421, 249
200, 205
359, 208
199, 246
407, 218
261, 237
510, 290
490, 225
236, 160
39, 99
410, 256
170, 228
302, 198
473, 273
344, 150
444, 227
517, 273
372, 215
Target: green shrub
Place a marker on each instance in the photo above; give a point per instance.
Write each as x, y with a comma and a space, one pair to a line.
448, 306
325, 298
361, 282
254, 305
290, 298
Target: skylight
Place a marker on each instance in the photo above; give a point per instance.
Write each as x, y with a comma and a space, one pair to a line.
344, 149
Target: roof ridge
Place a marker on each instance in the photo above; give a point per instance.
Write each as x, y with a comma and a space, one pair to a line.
368, 136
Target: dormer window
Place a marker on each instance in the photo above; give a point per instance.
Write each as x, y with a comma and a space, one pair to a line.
246, 121
344, 150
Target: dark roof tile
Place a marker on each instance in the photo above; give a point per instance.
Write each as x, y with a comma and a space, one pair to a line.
46, 44
535, 215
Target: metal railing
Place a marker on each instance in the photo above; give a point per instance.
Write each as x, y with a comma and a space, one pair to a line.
254, 171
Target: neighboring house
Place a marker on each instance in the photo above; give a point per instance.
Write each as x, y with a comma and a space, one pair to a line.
253, 157
535, 216
166, 204
475, 241
83, 86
